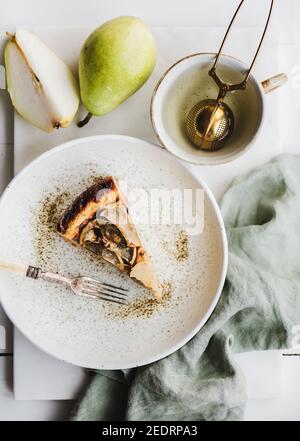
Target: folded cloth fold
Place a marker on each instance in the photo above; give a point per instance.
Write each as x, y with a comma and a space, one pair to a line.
258, 308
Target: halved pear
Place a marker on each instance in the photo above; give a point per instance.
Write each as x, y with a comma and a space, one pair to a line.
42, 88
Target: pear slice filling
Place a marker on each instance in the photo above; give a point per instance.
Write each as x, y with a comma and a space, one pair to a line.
106, 239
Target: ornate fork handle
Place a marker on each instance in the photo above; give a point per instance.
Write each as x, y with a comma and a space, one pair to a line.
34, 272
81, 285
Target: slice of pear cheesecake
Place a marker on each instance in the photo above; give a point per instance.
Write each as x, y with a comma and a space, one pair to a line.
99, 220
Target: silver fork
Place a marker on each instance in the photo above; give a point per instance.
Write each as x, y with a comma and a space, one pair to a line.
82, 286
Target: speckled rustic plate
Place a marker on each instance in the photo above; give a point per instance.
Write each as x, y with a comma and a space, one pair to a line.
191, 265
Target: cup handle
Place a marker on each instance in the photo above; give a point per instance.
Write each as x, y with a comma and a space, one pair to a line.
274, 82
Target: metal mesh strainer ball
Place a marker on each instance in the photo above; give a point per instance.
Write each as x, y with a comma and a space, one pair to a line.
209, 124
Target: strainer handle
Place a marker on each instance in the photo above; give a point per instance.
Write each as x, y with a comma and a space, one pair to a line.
224, 88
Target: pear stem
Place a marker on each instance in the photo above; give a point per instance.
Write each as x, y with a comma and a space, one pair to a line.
10, 36
85, 120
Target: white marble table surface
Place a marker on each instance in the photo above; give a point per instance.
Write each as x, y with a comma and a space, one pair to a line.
16, 13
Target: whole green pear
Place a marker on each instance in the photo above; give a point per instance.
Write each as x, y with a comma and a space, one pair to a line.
115, 61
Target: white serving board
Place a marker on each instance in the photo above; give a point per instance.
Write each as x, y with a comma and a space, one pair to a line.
37, 375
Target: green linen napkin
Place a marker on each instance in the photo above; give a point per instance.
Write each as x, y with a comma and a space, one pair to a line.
258, 308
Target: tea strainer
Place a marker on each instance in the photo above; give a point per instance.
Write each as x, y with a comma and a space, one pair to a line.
210, 123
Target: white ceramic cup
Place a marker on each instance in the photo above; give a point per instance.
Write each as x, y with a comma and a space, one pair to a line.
185, 84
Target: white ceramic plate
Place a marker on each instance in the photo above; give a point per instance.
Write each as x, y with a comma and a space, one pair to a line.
91, 333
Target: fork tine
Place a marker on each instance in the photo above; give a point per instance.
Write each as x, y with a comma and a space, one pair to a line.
117, 287
104, 292
100, 284
124, 294
103, 297
96, 293
110, 288
109, 299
